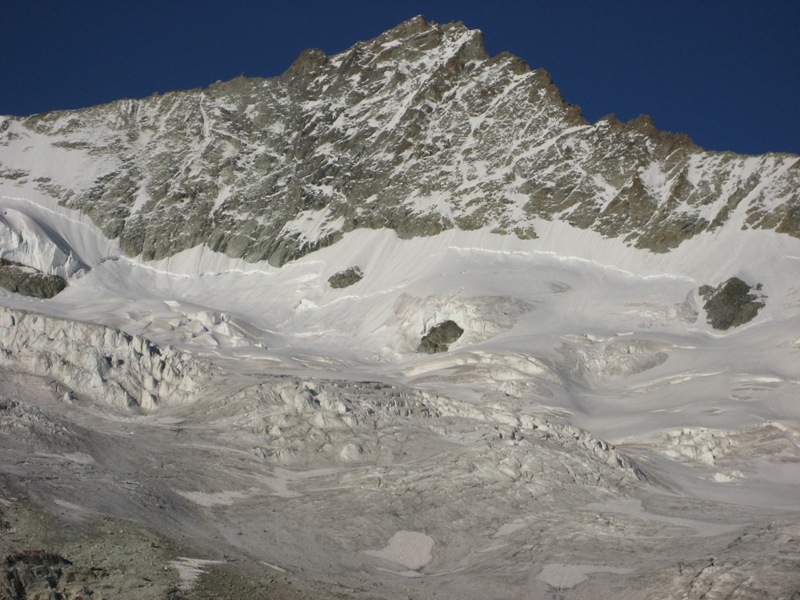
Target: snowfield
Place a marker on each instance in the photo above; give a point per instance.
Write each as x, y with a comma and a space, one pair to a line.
589, 435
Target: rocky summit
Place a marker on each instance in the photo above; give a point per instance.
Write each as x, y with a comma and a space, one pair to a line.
417, 130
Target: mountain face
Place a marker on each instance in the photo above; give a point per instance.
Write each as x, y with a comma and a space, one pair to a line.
499, 352
417, 130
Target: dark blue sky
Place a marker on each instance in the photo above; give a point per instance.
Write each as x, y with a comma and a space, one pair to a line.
726, 73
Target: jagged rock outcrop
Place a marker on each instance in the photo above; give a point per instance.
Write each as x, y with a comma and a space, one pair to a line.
34, 573
28, 281
46, 575
439, 338
731, 303
101, 364
417, 130
345, 278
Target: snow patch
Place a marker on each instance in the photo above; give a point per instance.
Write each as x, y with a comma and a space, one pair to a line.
566, 576
209, 500
410, 549
190, 569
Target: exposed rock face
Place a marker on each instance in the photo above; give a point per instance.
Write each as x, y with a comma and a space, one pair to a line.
731, 303
28, 281
41, 574
439, 337
345, 278
417, 130
31, 569
102, 364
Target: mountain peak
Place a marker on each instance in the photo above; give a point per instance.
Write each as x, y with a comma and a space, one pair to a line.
420, 26
417, 130
416, 40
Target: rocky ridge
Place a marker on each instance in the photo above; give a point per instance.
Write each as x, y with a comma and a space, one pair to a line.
417, 130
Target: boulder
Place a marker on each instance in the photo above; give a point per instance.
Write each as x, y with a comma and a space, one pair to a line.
28, 281
345, 278
439, 337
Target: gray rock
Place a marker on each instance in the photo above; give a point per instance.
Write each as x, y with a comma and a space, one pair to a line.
28, 281
731, 303
346, 278
439, 337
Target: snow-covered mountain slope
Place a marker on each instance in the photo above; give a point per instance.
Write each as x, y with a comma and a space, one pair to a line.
590, 434
417, 130
587, 399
